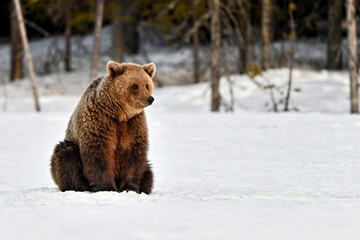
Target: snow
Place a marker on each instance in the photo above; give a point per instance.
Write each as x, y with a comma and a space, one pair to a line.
312, 91
217, 176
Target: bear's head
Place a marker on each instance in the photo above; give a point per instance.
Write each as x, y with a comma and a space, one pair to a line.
131, 84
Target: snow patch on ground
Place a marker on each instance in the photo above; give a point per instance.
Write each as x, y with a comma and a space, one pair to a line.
217, 176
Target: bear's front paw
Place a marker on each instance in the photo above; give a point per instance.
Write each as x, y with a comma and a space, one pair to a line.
104, 187
131, 187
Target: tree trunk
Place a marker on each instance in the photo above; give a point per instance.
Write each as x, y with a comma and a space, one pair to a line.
215, 55
68, 38
353, 70
16, 47
249, 55
97, 37
130, 27
334, 49
266, 33
292, 27
132, 36
196, 54
118, 33
245, 28
27, 52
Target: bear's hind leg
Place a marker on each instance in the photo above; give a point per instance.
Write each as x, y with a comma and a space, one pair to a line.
66, 167
146, 183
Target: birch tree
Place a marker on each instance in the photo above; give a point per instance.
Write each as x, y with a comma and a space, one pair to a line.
292, 36
266, 33
25, 43
215, 55
97, 38
16, 71
353, 70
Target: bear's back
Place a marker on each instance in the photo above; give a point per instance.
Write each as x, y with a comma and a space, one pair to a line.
86, 100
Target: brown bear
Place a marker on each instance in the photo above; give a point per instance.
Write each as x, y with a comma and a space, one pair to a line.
106, 142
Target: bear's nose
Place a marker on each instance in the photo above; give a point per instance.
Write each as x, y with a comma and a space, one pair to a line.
150, 100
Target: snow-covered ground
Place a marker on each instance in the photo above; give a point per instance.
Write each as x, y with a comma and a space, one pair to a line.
217, 176
251, 174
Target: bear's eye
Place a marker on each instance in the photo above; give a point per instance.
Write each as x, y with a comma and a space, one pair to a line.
147, 87
135, 86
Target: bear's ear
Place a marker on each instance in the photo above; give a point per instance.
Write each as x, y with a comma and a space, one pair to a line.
150, 69
115, 68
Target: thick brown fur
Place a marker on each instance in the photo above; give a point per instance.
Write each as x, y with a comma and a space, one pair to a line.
106, 142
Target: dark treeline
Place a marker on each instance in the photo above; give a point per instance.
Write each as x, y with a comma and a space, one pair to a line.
324, 19
311, 16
